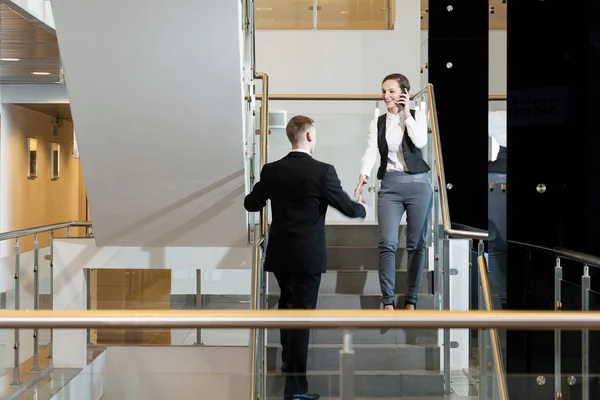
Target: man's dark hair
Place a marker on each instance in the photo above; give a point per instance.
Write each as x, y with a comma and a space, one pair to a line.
297, 127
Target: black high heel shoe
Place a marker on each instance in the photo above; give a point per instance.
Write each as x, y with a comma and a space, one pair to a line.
410, 303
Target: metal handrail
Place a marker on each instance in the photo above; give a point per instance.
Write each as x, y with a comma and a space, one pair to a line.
496, 355
345, 97
437, 147
42, 229
582, 258
300, 319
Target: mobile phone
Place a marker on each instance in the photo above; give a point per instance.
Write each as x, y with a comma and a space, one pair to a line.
404, 91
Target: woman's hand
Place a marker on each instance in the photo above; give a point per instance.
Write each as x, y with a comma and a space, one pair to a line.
362, 180
404, 102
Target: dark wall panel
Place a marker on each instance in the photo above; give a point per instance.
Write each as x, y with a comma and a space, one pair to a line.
458, 70
553, 169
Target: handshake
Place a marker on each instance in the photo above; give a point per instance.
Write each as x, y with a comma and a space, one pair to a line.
365, 205
358, 191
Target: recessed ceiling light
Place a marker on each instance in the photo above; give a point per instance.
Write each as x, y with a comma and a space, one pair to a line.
41, 73
264, 9
10, 59
344, 12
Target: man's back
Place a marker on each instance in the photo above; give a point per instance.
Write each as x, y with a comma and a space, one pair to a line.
300, 189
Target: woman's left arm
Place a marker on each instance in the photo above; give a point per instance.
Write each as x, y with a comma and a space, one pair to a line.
417, 128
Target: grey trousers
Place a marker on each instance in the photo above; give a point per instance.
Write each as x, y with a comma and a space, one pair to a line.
401, 192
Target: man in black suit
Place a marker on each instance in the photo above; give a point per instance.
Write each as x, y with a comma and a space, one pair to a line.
300, 189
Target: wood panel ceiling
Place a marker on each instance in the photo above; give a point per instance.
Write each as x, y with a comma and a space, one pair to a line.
28, 48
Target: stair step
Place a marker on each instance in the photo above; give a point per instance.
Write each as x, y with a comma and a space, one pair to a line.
356, 302
366, 336
359, 282
367, 357
370, 384
358, 235
363, 257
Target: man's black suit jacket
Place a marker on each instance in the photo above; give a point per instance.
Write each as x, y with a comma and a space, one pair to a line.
300, 189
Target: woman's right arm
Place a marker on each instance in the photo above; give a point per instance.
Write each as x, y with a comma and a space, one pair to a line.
369, 158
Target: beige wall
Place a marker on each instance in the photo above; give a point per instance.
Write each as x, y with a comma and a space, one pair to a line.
25, 202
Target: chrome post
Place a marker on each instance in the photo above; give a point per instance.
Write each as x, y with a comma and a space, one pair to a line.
198, 303
51, 300
347, 368
16, 372
446, 294
557, 332
69, 232
88, 231
585, 336
36, 301
87, 273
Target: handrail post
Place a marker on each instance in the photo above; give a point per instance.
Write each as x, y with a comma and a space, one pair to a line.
585, 335
494, 343
557, 332
16, 372
446, 304
347, 368
36, 301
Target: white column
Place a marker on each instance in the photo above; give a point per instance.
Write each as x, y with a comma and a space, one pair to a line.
70, 293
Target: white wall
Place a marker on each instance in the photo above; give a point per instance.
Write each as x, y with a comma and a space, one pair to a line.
160, 124
40, 9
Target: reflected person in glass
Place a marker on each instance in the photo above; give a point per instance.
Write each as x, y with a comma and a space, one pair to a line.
398, 136
497, 245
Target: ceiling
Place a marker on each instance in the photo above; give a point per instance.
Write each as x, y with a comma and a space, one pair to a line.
60, 111
31, 42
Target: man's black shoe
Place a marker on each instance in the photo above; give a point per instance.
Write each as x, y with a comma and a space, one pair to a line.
305, 396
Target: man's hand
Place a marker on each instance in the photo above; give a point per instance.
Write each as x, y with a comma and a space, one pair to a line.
362, 180
365, 205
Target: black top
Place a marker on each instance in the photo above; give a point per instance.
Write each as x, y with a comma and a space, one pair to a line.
412, 154
300, 189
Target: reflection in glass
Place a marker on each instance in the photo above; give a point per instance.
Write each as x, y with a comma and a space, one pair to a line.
32, 147
324, 14
354, 15
55, 161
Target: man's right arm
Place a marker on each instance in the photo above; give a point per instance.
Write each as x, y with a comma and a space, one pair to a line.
338, 199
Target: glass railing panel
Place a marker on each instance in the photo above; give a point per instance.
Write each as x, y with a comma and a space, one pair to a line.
341, 128
159, 289
26, 293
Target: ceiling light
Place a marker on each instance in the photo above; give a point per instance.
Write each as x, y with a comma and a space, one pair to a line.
41, 73
344, 12
10, 59
264, 9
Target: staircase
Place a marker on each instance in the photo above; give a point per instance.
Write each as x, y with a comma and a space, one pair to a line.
399, 363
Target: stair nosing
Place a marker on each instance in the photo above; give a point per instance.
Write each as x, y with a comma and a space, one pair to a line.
364, 346
390, 372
